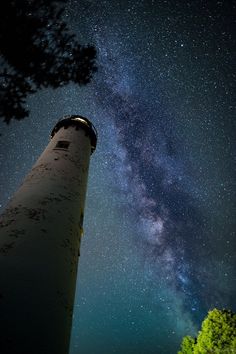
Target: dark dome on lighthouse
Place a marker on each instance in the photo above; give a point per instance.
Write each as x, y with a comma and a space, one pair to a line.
79, 122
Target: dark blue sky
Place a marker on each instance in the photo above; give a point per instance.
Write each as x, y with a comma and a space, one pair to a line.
159, 244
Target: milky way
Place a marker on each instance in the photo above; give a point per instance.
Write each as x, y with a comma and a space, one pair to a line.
173, 231
158, 250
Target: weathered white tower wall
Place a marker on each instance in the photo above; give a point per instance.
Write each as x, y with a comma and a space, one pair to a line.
40, 232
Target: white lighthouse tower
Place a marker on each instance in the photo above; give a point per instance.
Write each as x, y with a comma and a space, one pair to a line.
40, 232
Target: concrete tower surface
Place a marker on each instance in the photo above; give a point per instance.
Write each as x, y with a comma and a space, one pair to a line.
40, 233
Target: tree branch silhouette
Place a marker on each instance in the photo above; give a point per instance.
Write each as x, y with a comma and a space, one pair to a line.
37, 51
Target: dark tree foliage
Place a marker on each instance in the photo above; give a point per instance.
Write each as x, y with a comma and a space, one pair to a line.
37, 50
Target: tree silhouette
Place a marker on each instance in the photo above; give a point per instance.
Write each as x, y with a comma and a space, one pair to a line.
37, 50
217, 335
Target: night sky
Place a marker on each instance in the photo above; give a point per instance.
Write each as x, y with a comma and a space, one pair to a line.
158, 249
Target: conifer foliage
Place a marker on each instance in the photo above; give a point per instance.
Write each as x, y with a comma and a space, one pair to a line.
37, 50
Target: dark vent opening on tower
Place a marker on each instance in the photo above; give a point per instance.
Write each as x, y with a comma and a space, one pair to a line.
62, 144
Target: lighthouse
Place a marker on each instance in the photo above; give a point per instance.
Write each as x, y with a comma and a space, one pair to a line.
40, 235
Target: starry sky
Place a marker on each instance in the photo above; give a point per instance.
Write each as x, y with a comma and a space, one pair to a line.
158, 249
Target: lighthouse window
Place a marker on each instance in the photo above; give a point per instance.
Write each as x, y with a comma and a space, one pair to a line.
61, 144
